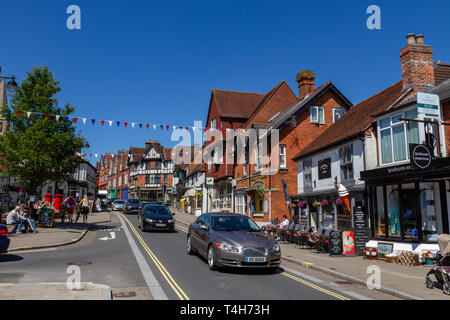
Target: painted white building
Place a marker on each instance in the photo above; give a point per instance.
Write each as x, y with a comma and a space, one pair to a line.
196, 189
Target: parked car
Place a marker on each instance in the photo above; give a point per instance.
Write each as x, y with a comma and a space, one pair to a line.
156, 217
232, 240
4, 240
117, 205
131, 206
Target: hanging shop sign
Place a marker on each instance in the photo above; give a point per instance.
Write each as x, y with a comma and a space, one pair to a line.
324, 167
428, 103
420, 155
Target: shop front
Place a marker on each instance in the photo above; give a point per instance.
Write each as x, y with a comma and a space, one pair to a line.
325, 208
256, 198
409, 205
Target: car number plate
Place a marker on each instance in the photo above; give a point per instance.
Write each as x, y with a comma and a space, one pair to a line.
255, 259
160, 224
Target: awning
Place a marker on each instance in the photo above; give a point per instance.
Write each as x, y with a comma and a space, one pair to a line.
258, 188
190, 193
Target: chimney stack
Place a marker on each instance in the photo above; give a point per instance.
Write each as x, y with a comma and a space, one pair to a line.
305, 80
417, 64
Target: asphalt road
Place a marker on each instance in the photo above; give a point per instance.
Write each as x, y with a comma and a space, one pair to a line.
129, 260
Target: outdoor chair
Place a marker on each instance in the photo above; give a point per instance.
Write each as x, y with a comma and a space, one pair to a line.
314, 238
322, 244
300, 235
294, 234
283, 233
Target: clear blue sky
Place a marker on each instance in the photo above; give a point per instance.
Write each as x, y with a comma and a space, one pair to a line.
157, 61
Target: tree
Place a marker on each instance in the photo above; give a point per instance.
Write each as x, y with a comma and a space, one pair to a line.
39, 148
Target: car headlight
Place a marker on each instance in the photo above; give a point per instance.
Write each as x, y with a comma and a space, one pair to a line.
170, 220
276, 248
149, 220
227, 247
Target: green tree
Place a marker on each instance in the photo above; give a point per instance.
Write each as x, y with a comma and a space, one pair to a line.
39, 148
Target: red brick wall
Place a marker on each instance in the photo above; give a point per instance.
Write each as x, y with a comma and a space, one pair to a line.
446, 112
417, 67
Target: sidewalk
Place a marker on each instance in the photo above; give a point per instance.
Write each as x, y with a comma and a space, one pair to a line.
398, 279
62, 234
54, 291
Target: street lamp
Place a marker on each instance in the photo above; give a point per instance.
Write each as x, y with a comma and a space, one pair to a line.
12, 84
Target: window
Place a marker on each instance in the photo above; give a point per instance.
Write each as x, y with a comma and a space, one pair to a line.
282, 155
307, 173
213, 123
259, 156
346, 155
430, 208
317, 115
396, 135
120, 181
338, 113
240, 204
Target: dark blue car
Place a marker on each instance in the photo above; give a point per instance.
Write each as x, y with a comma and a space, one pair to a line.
4, 240
156, 217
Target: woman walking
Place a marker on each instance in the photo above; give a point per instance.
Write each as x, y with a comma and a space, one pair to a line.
85, 208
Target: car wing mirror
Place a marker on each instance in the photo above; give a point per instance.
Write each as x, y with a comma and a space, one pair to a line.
203, 227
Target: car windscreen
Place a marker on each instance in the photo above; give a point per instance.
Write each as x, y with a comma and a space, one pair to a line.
118, 202
161, 210
134, 201
230, 223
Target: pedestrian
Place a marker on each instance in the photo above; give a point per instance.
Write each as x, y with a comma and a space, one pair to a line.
84, 204
14, 218
98, 205
285, 223
69, 203
28, 222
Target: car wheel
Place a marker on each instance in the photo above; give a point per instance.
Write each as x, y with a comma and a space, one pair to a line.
189, 249
212, 264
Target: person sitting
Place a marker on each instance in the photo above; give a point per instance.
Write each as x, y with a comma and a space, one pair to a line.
285, 223
28, 222
14, 218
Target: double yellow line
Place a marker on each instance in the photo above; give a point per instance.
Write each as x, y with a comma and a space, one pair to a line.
309, 284
175, 287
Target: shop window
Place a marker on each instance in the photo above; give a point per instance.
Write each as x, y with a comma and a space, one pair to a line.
307, 173
430, 208
396, 135
379, 213
282, 155
346, 159
408, 206
240, 204
393, 203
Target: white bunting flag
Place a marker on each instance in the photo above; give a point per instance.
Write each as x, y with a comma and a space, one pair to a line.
154, 127
28, 114
84, 120
132, 124
57, 118
110, 123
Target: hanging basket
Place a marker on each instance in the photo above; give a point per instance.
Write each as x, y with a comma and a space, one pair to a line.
325, 203
339, 202
300, 204
316, 204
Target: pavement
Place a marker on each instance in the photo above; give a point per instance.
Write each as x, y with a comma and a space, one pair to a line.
62, 234
401, 281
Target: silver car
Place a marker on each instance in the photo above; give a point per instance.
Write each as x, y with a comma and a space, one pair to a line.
232, 240
118, 205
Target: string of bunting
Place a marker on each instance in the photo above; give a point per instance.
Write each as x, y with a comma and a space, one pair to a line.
111, 123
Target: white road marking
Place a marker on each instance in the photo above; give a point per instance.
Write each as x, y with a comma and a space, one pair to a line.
113, 236
152, 283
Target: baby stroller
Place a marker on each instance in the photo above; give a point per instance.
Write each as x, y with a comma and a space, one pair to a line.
442, 270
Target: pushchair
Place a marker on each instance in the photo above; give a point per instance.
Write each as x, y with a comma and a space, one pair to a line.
442, 270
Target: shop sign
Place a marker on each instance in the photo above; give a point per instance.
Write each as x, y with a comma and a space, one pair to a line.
361, 237
360, 220
420, 155
324, 167
209, 181
348, 243
428, 103
335, 243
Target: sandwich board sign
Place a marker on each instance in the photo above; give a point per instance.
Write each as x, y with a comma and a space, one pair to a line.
428, 103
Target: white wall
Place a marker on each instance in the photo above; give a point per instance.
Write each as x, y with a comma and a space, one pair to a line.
333, 153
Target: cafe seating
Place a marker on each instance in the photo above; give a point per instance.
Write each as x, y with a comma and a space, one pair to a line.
285, 233
294, 234
315, 238
322, 242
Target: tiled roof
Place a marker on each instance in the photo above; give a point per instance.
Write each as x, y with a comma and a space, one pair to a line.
193, 168
441, 72
134, 151
356, 120
235, 104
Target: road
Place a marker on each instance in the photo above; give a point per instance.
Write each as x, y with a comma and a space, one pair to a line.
146, 265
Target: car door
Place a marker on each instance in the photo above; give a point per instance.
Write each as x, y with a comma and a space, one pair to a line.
204, 235
195, 232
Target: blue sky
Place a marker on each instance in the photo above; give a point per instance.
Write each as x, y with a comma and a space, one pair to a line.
156, 62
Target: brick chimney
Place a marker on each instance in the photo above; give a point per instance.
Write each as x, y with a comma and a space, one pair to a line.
305, 80
417, 64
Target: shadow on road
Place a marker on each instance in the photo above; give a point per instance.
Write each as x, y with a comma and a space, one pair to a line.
9, 257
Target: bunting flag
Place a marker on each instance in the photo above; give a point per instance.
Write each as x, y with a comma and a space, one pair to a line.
93, 122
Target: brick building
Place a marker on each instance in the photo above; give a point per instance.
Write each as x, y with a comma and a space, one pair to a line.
260, 191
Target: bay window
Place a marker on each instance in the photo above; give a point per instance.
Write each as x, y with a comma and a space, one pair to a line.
396, 135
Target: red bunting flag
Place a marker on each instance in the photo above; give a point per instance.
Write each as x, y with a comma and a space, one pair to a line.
90, 155
187, 128
18, 113
103, 122
206, 129
74, 119
125, 123
167, 127
48, 117
147, 125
